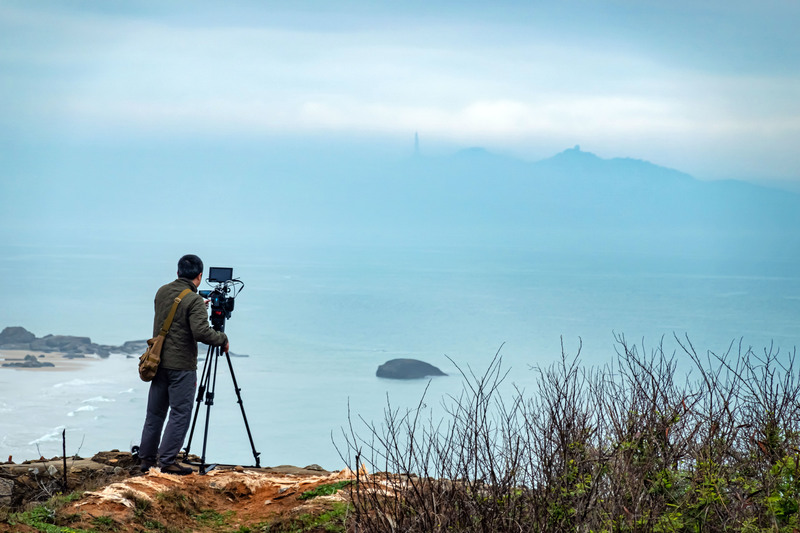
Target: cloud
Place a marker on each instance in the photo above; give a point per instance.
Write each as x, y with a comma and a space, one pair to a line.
473, 77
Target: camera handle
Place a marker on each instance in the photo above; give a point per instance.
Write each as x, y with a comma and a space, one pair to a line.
205, 391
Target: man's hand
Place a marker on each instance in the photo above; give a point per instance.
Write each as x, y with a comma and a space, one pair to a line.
227, 347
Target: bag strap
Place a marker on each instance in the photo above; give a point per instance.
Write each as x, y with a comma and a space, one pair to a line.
168, 321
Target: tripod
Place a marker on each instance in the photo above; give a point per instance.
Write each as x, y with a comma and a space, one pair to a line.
207, 388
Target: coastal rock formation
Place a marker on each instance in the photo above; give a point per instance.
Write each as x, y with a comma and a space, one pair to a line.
16, 335
407, 369
30, 361
134, 347
18, 338
63, 343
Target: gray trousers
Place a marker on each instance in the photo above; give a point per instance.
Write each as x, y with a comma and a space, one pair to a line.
171, 390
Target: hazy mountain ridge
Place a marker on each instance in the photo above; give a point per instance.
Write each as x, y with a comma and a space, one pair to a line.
573, 198
578, 190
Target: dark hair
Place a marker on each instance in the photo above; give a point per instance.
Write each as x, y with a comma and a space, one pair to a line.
189, 266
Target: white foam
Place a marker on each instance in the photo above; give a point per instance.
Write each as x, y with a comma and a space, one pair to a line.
54, 436
98, 399
80, 382
82, 409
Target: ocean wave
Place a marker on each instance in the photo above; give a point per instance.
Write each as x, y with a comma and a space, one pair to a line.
53, 436
80, 383
82, 409
98, 399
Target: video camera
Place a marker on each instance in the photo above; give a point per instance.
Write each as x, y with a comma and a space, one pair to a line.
222, 296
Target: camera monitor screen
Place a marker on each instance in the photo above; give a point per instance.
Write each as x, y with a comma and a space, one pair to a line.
218, 275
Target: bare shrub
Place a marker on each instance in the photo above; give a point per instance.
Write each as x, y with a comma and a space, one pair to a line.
635, 445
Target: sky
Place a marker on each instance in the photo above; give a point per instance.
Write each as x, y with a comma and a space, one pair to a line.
707, 87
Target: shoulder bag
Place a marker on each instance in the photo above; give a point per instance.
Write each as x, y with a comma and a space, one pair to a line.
151, 358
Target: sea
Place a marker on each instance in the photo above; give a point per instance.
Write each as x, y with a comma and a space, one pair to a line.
313, 323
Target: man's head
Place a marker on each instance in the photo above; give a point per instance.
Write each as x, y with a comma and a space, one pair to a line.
190, 266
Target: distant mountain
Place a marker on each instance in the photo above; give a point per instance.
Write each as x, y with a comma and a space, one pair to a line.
634, 192
574, 195
573, 200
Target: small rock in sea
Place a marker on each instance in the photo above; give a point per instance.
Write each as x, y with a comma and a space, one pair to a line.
407, 369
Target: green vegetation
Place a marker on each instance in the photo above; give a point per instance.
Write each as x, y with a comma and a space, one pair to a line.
214, 518
332, 521
155, 525
325, 490
44, 517
140, 505
176, 499
104, 523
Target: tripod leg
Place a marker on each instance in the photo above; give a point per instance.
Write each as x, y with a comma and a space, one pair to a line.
201, 388
209, 402
244, 416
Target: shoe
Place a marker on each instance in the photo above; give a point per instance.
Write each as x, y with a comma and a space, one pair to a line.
146, 465
176, 469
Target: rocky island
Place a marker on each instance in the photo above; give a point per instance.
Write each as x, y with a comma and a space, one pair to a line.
19, 338
23, 349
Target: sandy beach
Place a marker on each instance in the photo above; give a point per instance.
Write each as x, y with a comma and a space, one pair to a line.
60, 363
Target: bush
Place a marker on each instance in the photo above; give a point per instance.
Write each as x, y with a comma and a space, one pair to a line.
632, 446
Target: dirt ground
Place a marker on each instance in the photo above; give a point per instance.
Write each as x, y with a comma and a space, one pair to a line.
109, 494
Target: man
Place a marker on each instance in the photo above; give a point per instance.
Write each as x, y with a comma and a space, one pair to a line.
173, 386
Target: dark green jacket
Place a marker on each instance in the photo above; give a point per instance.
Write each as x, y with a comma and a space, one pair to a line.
189, 326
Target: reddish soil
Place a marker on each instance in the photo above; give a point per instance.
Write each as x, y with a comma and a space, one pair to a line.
224, 499
201, 503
